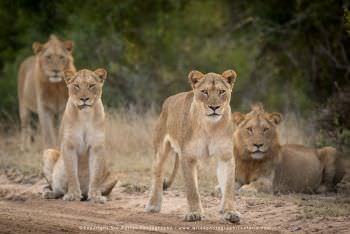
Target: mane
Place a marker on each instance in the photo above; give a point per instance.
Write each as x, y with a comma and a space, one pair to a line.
53, 37
257, 108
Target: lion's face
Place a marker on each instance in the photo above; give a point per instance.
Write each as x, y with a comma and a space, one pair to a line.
54, 57
257, 130
212, 92
85, 86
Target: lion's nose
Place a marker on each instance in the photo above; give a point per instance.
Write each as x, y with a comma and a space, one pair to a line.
214, 108
84, 99
258, 145
55, 71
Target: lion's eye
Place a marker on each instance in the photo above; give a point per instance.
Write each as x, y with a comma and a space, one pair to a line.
222, 91
250, 129
204, 91
91, 86
48, 57
61, 57
265, 129
76, 86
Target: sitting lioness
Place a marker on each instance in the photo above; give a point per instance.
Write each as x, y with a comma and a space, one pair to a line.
195, 125
264, 165
41, 88
79, 169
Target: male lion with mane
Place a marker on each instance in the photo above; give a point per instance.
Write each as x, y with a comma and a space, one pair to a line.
264, 165
79, 170
195, 125
41, 88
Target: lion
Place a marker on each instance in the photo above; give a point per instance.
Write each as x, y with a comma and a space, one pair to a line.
192, 126
264, 165
41, 88
79, 169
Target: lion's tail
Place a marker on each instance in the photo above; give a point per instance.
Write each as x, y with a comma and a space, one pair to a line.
168, 182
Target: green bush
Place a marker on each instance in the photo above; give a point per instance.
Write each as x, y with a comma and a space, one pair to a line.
288, 55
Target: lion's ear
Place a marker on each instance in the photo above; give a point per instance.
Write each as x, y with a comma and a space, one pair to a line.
68, 45
101, 73
230, 76
69, 76
237, 117
37, 47
194, 76
275, 117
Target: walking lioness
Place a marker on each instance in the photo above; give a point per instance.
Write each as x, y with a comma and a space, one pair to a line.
41, 88
79, 169
195, 125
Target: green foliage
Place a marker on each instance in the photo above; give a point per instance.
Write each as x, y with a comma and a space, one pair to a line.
333, 121
288, 54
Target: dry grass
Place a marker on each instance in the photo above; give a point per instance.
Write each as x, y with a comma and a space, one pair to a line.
130, 153
12, 157
295, 130
312, 205
128, 140
129, 148
129, 144
325, 207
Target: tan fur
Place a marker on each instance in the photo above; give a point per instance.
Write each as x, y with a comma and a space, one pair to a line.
188, 129
41, 88
79, 169
277, 168
336, 174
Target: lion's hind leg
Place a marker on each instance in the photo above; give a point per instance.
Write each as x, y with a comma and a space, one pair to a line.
343, 186
49, 194
24, 114
155, 201
327, 156
50, 157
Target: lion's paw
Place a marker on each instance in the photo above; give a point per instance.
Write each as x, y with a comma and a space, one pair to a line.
232, 216
49, 194
247, 189
343, 187
74, 196
193, 216
150, 208
322, 189
96, 196
98, 199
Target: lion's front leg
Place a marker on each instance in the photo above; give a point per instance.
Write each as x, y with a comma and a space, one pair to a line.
24, 114
46, 119
70, 158
96, 171
226, 177
189, 167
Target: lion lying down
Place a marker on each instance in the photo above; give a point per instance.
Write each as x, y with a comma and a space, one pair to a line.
264, 165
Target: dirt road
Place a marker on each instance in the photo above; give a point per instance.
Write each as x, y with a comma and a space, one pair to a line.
22, 210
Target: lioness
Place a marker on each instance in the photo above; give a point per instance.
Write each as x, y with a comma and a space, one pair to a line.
41, 88
264, 165
79, 169
194, 125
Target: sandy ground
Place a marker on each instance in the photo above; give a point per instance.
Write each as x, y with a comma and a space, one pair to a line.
22, 210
